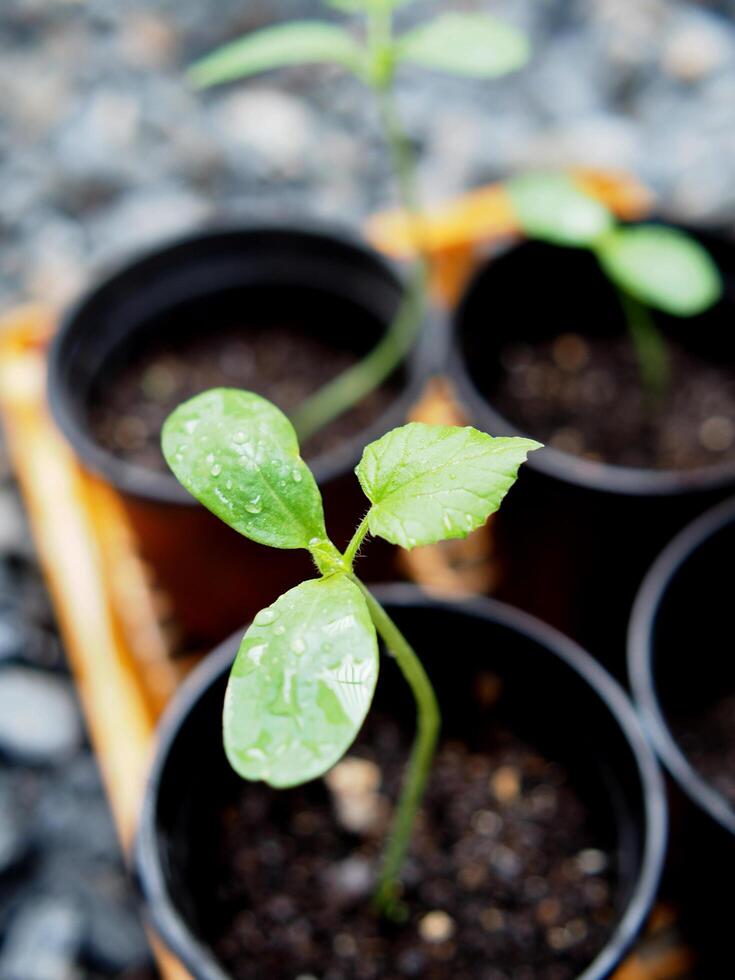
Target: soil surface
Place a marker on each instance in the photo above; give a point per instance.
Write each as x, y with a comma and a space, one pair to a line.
708, 741
507, 876
584, 396
283, 363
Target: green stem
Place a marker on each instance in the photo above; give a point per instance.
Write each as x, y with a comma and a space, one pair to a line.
351, 386
650, 346
347, 389
354, 546
387, 893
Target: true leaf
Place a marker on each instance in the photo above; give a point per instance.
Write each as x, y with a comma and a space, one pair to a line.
470, 44
662, 267
301, 684
427, 483
295, 43
549, 207
239, 456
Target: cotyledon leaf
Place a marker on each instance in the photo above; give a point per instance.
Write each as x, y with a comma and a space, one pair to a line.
301, 684
295, 43
428, 483
551, 208
471, 44
663, 267
238, 455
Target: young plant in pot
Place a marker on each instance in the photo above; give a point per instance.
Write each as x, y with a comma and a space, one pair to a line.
494, 857
682, 673
316, 322
621, 358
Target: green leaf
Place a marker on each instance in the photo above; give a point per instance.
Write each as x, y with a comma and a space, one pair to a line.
239, 456
550, 208
301, 684
663, 267
428, 483
465, 44
296, 43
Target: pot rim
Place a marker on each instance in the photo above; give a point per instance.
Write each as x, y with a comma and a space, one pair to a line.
564, 466
170, 925
162, 487
640, 659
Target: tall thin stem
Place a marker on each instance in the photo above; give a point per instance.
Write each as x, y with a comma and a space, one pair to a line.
347, 389
428, 720
650, 346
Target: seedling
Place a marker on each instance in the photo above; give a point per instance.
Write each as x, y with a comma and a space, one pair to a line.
305, 673
469, 44
653, 267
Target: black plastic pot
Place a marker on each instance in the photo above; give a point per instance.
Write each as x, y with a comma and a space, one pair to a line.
576, 536
341, 288
554, 695
680, 660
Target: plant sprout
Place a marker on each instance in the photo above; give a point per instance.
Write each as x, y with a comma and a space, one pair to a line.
305, 673
469, 44
653, 267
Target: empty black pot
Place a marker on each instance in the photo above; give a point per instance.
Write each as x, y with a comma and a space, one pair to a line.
681, 664
553, 695
333, 288
576, 536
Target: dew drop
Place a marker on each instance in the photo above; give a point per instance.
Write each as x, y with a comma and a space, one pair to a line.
264, 617
254, 506
210, 458
448, 522
239, 437
297, 645
296, 475
228, 485
314, 541
216, 470
191, 425
279, 630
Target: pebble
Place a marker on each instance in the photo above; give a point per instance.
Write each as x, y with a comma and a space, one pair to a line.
42, 942
436, 927
506, 784
717, 433
39, 718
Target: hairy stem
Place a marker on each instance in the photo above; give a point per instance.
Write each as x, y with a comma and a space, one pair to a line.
386, 898
347, 389
650, 346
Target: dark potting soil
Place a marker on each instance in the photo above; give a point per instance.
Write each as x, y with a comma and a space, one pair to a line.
708, 741
283, 363
506, 878
584, 396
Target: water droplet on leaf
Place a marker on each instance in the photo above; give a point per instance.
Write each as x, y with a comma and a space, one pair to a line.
264, 617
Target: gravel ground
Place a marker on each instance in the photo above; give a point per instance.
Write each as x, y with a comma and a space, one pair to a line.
104, 149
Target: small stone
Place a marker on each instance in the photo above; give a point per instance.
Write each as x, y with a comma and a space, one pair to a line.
472, 876
548, 912
351, 878
506, 784
487, 823
695, 49
717, 433
39, 719
344, 945
436, 927
570, 352
492, 920
42, 942
568, 440
12, 638
354, 785
591, 861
